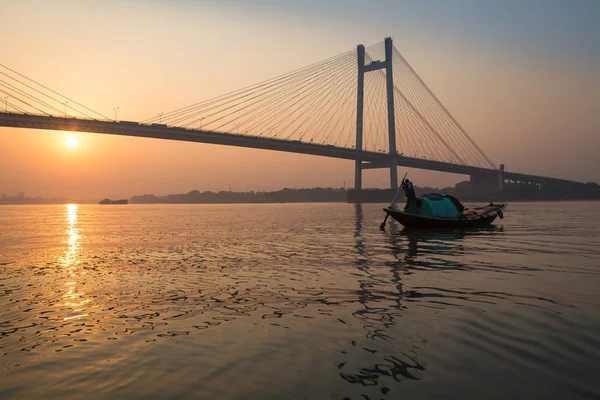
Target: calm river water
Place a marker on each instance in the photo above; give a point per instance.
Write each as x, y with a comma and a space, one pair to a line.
296, 301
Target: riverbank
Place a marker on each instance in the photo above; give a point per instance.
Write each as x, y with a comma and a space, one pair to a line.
330, 195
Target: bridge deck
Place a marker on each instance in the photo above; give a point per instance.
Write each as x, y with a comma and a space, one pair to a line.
158, 131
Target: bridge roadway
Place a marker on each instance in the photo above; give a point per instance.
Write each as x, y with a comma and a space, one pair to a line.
371, 159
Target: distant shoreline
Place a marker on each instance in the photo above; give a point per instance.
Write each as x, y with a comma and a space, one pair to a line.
400, 201
328, 195
290, 202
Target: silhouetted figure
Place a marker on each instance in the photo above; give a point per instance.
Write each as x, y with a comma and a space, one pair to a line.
411, 197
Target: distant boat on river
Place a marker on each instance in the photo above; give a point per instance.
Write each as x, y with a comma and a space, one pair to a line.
109, 201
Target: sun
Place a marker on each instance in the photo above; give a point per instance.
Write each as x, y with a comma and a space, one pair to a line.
71, 141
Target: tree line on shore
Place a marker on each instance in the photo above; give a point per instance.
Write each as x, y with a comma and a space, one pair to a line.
286, 195
512, 192
22, 199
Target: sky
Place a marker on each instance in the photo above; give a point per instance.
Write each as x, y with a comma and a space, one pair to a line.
521, 76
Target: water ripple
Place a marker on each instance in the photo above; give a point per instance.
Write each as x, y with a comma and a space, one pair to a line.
299, 301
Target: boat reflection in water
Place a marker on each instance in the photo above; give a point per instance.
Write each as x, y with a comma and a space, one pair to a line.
386, 350
437, 249
382, 352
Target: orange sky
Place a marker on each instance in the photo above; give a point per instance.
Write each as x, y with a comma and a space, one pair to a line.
528, 104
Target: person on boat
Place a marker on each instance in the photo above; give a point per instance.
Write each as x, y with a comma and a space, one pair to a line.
411, 197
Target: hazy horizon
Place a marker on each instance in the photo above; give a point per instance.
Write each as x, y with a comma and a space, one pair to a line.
521, 77
223, 188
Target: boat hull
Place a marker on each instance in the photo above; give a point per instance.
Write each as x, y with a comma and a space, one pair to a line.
416, 221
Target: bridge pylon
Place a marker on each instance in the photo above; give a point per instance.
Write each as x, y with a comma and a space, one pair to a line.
389, 83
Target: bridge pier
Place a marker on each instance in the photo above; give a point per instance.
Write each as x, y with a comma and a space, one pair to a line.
358, 175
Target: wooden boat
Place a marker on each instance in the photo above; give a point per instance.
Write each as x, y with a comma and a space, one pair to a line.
434, 210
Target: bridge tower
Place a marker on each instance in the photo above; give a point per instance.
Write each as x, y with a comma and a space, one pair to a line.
389, 83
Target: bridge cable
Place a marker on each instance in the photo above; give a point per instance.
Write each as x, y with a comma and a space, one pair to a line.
317, 108
258, 86
295, 83
226, 99
24, 102
52, 91
272, 120
440, 117
27, 95
420, 127
276, 116
223, 98
324, 92
324, 89
11, 104
445, 110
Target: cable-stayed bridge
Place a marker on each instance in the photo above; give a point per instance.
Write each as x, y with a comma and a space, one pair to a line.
366, 105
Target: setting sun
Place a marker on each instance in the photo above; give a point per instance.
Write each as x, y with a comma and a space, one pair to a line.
71, 141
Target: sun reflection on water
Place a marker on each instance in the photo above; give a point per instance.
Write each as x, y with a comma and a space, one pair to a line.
73, 297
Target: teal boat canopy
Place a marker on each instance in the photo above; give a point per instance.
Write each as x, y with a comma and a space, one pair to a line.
435, 205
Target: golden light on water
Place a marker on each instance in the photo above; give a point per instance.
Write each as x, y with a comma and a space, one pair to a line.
73, 298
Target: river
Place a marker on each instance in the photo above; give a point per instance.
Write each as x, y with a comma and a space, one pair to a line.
296, 301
